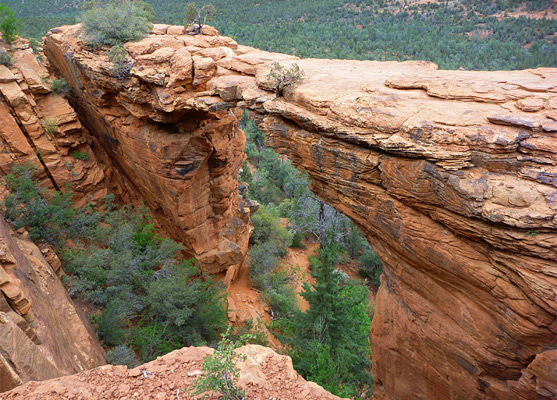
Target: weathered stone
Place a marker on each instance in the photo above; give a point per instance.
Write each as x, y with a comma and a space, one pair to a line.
450, 181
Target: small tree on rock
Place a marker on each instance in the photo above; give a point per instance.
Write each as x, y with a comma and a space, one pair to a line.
9, 25
198, 16
283, 79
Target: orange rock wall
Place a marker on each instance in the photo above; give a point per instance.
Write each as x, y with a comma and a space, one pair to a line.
181, 153
451, 175
41, 334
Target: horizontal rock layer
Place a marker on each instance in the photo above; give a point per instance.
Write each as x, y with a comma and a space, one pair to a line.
451, 175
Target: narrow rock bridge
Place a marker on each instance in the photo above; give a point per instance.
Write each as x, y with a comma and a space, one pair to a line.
451, 176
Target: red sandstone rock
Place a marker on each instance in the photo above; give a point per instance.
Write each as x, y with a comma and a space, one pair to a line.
180, 150
449, 174
264, 375
41, 334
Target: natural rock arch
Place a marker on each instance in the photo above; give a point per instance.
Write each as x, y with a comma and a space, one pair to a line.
450, 175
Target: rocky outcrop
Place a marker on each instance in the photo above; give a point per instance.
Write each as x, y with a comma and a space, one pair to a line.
181, 149
264, 375
41, 334
451, 175
39, 127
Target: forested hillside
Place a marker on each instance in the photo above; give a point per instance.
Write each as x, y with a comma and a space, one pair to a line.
470, 34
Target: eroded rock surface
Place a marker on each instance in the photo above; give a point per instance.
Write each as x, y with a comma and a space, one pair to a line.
41, 334
181, 149
264, 375
451, 175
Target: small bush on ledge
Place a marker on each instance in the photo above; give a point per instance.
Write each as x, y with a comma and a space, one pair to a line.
283, 79
116, 22
117, 55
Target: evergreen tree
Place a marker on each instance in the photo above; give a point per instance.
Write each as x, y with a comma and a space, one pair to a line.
330, 341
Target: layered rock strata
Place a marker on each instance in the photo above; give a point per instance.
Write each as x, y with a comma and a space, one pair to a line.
178, 145
41, 335
451, 175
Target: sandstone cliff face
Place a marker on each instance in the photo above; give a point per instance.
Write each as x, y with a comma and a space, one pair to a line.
41, 335
264, 375
451, 175
179, 148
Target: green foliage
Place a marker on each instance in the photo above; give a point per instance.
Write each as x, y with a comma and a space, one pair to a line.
80, 155
192, 308
283, 79
50, 125
110, 324
117, 55
255, 331
198, 16
370, 266
270, 243
60, 86
472, 34
219, 372
116, 22
35, 45
150, 298
330, 341
9, 24
153, 340
5, 58
267, 228
48, 218
122, 355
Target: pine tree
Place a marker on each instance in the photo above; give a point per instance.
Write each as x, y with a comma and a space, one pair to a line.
330, 344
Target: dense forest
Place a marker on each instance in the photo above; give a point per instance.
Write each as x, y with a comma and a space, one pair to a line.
469, 34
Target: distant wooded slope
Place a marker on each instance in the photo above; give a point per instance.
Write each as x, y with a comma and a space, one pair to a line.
469, 34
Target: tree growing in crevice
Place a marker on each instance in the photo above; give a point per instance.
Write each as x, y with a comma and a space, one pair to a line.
118, 56
198, 17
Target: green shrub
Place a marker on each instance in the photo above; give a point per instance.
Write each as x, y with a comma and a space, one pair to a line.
192, 308
81, 155
267, 228
370, 266
116, 22
149, 297
110, 324
255, 331
283, 79
35, 45
9, 25
60, 86
117, 55
122, 355
153, 340
50, 125
219, 372
47, 217
5, 58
